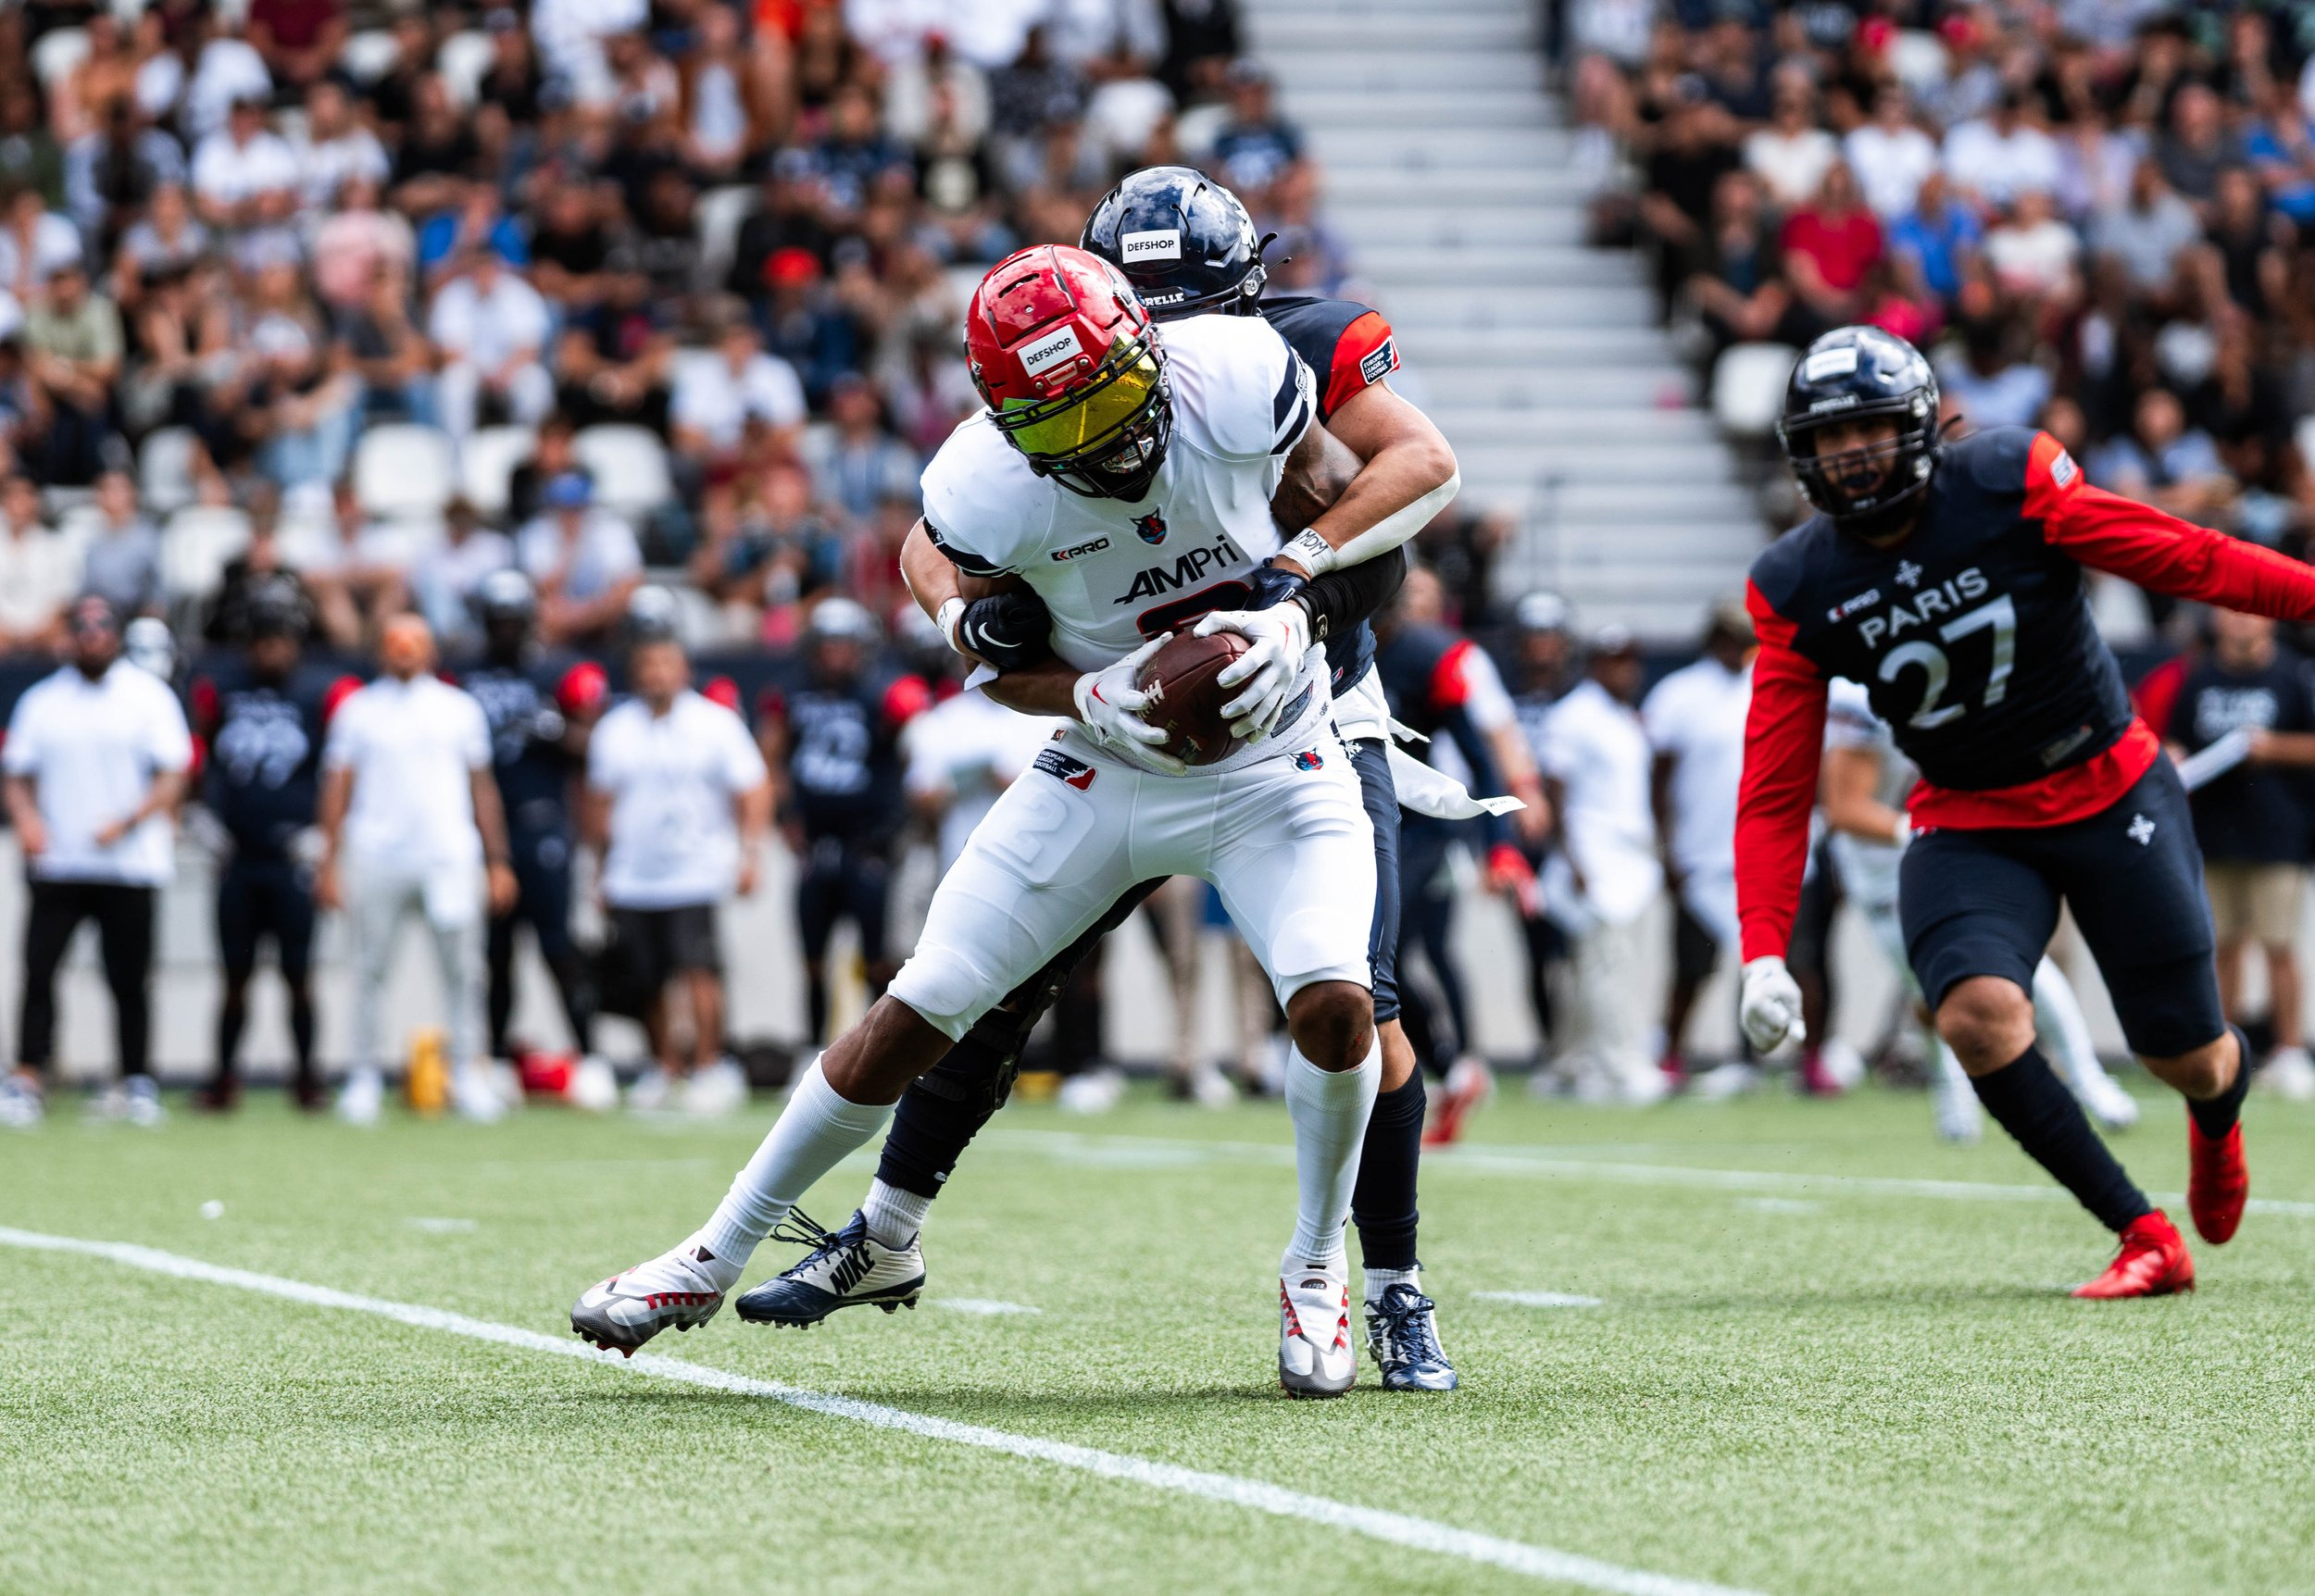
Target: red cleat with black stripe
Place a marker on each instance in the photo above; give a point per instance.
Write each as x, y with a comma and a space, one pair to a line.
2152, 1261
2218, 1181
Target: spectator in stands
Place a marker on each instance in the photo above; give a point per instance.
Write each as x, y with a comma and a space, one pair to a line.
856, 463
2251, 820
1987, 383
2164, 462
73, 349
2147, 233
718, 399
1891, 156
2197, 146
1829, 246
489, 329
339, 149
446, 576
583, 560
37, 578
353, 564
35, 243
245, 174
1996, 157
123, 562
1738, 285
1256, 146
1690, 152
298, 40
1792, 154
96, 759
1936, 243
2032, 255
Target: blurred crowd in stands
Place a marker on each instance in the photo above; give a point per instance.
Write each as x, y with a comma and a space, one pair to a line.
2098, 213
395, 297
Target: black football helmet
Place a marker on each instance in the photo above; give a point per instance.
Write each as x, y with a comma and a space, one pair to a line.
1185, 243
1851, 374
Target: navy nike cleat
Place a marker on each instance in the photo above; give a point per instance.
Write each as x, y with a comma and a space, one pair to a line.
1403, 1337
846, 1270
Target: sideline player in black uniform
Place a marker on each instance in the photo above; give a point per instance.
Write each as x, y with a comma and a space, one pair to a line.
1947, 578
262, 725
834, 746
541, 710
1189, 248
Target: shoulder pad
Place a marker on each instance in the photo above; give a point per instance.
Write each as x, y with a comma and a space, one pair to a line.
1995, 460
1239, 390
984, 507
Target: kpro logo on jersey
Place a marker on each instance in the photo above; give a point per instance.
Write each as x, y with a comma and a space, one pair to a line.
1309, 760
1152, 527
1076, 772
1092, 548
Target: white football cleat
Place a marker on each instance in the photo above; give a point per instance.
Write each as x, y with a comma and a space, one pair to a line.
1724, 1081
719, 1090
846, 1268
1095, 1092
363, 1099
474, 1095
651, 1091
1316, 1354
141, 1102
2104, 1100
21, 1107
2289, 1074
673, 1289
1954, 1100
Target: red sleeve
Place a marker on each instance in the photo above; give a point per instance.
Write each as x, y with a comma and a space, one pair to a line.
2109, 533
905, 699
206, 701
722, 692
344, 687
1783, 743
2155, 696
1449, 689
1364, 355
583, 689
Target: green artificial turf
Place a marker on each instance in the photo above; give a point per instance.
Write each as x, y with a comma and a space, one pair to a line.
1791, 1385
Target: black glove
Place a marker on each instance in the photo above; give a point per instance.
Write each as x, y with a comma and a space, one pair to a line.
1273, 585
1008, 630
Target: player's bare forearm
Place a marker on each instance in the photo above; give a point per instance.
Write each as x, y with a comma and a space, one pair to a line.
337, 789
1407, 464
490, 816
1048, 688
1319, 471
934, 581
1851, 777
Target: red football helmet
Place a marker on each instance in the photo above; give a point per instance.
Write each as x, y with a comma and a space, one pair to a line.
1066, 360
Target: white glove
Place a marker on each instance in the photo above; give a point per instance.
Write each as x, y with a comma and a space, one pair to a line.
1770, 1009
1110, 705
1281, 636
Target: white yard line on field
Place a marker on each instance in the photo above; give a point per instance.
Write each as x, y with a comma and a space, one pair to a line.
1539, 1299
987, 1307
1376, 1523
1142, 1152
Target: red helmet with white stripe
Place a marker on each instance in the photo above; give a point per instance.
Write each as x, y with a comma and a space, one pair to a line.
1070, 370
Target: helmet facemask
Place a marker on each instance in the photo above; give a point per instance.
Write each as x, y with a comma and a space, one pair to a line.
1871, 490
1106, 437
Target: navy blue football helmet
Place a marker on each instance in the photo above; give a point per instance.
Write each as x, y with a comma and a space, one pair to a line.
1185, 243
1853, 374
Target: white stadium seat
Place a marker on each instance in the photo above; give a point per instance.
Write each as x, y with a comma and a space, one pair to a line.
486, 465
629, 465
165, 469
462, 61
1748, 387
369, 55
194, 547
405, 469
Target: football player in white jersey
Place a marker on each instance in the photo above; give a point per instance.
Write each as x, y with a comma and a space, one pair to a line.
1129, 481
1865, 782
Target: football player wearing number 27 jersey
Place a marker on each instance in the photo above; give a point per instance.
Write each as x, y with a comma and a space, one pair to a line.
1109, 453
1947, 579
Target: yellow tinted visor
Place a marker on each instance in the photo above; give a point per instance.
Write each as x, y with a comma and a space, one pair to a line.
1061, 430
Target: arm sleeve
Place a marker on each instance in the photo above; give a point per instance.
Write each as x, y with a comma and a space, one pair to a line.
169, 741
474, 733
1364, 355
1349, 594
2109, 533
1783, 743
743, 768
19, 756
345, 730
1451, 698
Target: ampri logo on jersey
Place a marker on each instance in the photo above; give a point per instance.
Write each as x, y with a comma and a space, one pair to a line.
1152, 527
1076, 772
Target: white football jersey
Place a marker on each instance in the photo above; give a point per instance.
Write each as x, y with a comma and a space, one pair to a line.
1115, 573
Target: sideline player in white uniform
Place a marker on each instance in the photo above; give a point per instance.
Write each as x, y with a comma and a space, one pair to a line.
1864, 786
1129, 481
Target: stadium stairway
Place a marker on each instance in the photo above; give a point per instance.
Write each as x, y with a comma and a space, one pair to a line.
1452, 181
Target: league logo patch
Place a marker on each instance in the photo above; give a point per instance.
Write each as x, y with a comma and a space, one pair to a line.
1309, 760
1152, 527
2063, 469
1381, 361
1076, 772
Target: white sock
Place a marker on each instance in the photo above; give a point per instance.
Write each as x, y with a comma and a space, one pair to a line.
2058, 1018
1330, 1111
812, 1134
894, 1216
1382, 1280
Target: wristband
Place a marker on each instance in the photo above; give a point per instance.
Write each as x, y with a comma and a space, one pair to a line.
952, 609
1311, 552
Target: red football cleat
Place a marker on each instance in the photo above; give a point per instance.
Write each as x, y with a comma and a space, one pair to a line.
2218, 1181
1469, 1084
2153, 1261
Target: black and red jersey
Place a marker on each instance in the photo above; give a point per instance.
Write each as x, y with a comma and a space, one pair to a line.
1973, 637
1348, 347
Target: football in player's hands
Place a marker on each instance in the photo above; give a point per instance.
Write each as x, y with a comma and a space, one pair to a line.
1185, 699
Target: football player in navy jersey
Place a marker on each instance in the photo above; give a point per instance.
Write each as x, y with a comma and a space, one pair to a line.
540, 710
833, 745
1189, 249
1947, 579
261, 721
